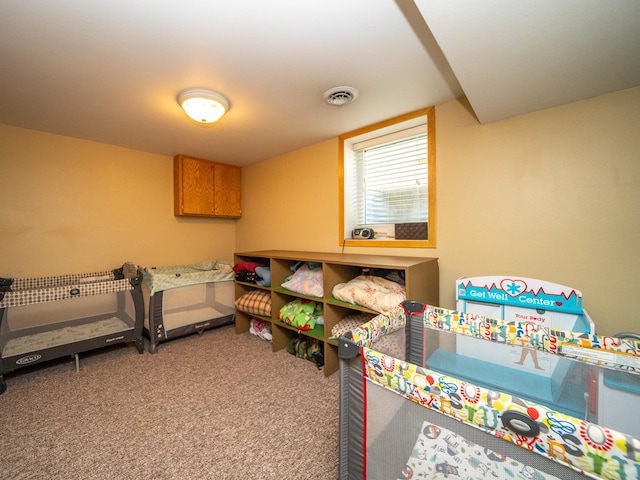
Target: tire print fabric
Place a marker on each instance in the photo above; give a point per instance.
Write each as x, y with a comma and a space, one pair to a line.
592, 449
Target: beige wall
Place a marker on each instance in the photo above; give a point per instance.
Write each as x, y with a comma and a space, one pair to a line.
72, 206
291, 202
552, 195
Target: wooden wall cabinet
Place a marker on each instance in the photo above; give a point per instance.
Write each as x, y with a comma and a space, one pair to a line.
422, 282
205, 189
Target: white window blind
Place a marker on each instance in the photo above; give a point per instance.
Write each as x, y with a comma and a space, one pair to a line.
392, 180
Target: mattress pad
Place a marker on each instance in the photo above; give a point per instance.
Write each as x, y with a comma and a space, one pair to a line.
164, 278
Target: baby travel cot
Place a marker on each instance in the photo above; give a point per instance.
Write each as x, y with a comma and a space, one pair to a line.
44, 318
401, 418
185, 299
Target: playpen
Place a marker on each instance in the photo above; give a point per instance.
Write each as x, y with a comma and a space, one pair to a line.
419, 402
45, 318
185, 299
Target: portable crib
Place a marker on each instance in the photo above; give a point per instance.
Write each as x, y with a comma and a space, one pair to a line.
45, 318
186, 299
400, 418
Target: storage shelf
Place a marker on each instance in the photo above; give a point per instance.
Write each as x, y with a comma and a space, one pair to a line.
253, 285
421, 283
286, 291
352, 306
316, 332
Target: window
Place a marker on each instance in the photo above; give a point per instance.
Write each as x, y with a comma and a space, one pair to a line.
387, 182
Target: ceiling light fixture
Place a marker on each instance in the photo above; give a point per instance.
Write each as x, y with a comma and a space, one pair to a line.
339, 96
203, 105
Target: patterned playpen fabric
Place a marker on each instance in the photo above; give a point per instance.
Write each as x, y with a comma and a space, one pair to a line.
442, 454
63, 336
581, 445
587, 448
617, 353
163, 278
27, 291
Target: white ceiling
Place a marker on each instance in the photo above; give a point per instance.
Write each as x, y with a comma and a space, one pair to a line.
110, 71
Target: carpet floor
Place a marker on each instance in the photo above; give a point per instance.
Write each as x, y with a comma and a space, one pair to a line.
215, 406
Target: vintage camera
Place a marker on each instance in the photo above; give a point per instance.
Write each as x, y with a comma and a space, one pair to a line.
363, 233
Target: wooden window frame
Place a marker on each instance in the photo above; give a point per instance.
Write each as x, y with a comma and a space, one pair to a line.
344, 237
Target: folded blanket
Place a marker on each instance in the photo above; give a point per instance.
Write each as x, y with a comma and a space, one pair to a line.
302, 313
370, 291
307, 280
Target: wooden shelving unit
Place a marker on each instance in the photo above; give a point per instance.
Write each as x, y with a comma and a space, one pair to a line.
421, 281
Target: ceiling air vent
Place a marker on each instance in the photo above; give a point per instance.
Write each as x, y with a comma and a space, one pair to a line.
339, 96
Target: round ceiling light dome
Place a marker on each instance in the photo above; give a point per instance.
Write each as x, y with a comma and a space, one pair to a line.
203, 105
339, 96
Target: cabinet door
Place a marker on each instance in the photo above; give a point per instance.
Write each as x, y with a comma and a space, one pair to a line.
194, 186
226, 179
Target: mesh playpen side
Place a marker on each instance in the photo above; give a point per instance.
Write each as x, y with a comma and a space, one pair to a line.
401, 420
